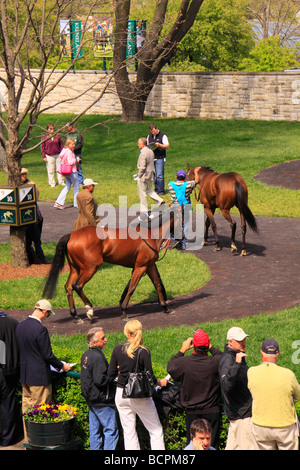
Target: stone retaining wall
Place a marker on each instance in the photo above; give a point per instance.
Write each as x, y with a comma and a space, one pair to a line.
228, 95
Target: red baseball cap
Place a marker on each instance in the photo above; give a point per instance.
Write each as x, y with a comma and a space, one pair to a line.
200, 338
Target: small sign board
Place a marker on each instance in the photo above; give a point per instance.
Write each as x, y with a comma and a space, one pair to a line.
18, 205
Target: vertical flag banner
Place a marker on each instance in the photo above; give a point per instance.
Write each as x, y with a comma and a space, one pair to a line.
76, 33
65, 38
103, 34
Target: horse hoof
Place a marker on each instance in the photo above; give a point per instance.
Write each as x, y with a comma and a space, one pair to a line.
90, 314
170, 312
233, 248
124, 317
78, 321
217, 248
243, 253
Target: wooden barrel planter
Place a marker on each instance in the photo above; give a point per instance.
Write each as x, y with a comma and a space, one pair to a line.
49, 434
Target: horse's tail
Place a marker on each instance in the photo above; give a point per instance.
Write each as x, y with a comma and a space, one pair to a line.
57, 266
241, 203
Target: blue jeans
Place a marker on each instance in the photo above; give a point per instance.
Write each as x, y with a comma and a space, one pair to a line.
159, 182
70, 180
79, 170
104, 432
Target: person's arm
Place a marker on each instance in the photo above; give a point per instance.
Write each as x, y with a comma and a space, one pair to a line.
47, 353
175, 365
228, 372
89, 211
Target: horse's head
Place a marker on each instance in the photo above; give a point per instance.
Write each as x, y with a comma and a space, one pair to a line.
197, 173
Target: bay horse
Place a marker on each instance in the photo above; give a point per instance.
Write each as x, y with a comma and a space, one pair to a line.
224, 191
137, 247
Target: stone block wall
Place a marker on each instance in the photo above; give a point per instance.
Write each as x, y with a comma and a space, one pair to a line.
227, 95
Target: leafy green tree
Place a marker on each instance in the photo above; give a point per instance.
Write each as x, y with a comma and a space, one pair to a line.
220, 38
269, 55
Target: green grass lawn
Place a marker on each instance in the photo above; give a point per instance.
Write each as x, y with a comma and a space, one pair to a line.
110, 154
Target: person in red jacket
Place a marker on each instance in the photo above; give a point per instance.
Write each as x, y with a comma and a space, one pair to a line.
51, 147
199, 374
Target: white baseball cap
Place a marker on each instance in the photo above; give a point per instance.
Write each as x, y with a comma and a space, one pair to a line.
44, 305
89, 182
236, 333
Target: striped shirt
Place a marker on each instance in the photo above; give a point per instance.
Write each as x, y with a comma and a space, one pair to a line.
189, 188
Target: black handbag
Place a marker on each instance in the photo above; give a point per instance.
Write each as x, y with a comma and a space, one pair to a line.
139, 384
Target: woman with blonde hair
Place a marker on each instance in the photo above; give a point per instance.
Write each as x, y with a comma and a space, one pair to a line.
123, 361
68, 157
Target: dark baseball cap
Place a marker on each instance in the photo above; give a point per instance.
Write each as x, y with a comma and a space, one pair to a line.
270, 346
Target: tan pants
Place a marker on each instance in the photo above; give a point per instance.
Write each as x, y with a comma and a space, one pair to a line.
144, 190
52, 164
34, 395
285, 438
240, 436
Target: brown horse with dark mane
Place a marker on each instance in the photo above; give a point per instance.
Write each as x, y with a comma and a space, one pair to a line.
224, 191
136, 246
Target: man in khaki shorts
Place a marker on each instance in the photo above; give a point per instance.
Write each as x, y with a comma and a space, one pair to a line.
274, 390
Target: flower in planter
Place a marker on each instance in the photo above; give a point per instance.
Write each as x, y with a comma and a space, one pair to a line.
50, 413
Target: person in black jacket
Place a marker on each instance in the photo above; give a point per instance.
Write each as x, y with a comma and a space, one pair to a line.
159, 143
98, 389
125, 358
36, 357
10, 423
200, 393
236, 395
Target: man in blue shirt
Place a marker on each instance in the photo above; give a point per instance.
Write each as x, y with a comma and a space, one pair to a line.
200, 435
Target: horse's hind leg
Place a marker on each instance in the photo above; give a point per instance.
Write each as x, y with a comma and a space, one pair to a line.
210, 214
154, 275
243, 227
232, 223
84, 277
69, 290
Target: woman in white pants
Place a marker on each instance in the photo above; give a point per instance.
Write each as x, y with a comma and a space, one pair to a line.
123, 361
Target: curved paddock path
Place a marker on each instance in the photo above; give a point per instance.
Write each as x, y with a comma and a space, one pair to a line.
266, 280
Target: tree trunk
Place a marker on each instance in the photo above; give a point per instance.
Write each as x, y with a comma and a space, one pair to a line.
19, 258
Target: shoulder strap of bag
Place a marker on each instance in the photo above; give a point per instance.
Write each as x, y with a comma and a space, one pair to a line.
137, 360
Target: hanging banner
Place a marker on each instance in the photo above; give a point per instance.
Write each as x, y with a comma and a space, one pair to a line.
140, 33
65, 38
76, 33
103, 34
131, 39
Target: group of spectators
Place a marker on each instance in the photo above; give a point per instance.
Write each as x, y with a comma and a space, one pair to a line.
258, 401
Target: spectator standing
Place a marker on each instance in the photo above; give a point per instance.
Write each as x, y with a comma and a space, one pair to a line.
180, 191
98, 389
34, 231
68, 157
160, 144
9, 361
200, 435
87, 205
199, 374
274, 390
123, 361
236, 394
145, 176
51, 147
78, 139
36, 357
